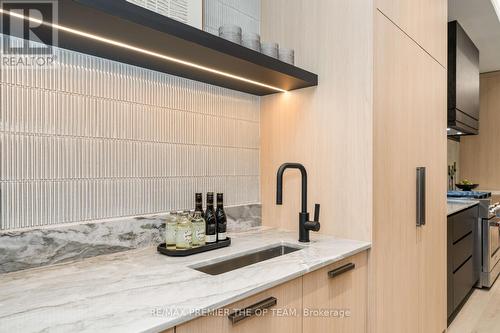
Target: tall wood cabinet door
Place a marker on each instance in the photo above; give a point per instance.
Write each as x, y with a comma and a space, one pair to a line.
284, 317
425, 21
408, 265
341, 289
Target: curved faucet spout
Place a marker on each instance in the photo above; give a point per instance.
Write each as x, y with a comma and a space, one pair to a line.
304, 224
279, 187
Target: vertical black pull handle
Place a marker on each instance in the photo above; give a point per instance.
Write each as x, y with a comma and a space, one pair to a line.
420, 196
316, 213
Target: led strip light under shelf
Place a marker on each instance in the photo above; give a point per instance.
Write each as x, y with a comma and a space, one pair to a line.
140, 50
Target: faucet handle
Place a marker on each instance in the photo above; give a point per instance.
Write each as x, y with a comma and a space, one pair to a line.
316, 213
313, 225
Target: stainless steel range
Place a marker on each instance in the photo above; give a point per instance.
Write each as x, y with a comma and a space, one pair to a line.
490, 246
487, 250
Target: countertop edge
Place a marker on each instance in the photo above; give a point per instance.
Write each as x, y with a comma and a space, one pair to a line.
465, 205
252, 292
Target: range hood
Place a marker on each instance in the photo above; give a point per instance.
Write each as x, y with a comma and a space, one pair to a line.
463, 83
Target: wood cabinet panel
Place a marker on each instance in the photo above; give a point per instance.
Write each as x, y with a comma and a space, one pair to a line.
425, 21
408, 263
289, 299
345, 293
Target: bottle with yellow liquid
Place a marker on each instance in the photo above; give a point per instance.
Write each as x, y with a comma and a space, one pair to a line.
198, 230
184, 232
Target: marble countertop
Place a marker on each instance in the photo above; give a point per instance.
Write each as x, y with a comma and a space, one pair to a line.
493, 192
456, 205
143, 291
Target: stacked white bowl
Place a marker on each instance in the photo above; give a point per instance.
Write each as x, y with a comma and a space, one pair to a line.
251, 40
270, 49
286, 55
231, 33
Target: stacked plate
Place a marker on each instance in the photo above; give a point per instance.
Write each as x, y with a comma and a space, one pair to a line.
251, 40
231, 33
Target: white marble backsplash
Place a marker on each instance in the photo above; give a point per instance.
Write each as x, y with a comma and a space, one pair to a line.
52, 245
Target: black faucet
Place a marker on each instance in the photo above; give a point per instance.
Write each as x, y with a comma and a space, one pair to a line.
304, 224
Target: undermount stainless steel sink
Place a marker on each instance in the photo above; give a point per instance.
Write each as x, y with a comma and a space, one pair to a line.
247, 259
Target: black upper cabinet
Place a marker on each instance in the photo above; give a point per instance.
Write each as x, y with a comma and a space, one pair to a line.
156, 42
463, 82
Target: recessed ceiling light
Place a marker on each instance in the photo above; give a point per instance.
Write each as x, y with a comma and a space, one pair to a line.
459, 133
139, 50
496, 5
448, 129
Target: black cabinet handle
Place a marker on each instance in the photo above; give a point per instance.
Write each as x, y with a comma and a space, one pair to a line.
341, 270
248, 312
420, 196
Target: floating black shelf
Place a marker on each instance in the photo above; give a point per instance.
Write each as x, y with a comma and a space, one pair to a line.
121, 21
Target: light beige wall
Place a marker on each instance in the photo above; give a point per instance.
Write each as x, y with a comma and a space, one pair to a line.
479, 154
327, 128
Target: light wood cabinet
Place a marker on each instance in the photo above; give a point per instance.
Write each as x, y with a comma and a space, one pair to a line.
425, 21
285, 317
341, 289
408, 263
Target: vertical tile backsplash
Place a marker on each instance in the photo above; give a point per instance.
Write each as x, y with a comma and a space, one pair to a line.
186, 11
94, 139
244, 13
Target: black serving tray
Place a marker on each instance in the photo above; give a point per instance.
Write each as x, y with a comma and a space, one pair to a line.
184, 253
